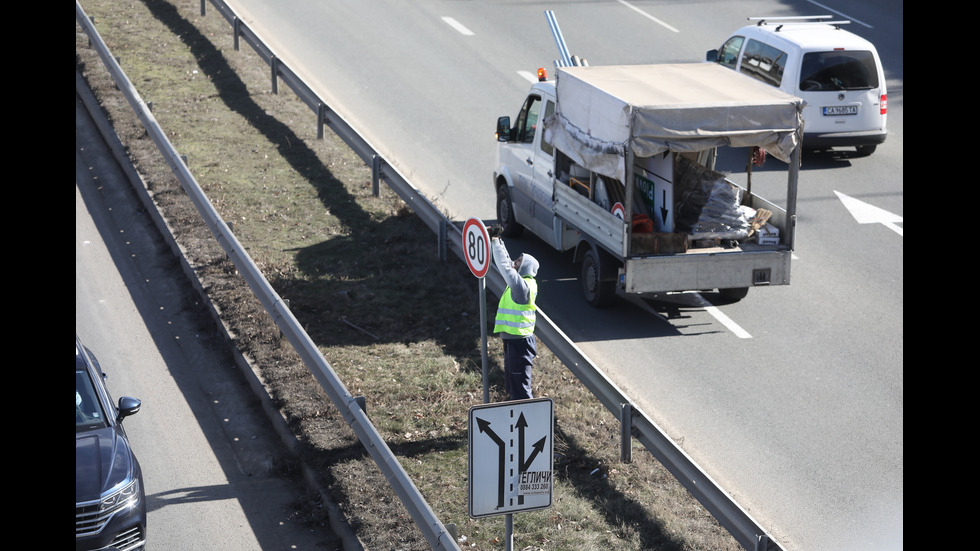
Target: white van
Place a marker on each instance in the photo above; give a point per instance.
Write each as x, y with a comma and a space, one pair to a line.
837, 73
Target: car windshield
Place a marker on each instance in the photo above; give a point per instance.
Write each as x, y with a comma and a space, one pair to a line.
838, 70
88, 409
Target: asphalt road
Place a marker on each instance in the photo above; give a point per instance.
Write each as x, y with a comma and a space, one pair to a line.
211, 461
793, 399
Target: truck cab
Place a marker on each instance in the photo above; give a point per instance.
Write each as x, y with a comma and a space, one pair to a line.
525, 158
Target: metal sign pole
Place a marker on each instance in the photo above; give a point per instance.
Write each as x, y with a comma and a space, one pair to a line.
483, 336
476, 252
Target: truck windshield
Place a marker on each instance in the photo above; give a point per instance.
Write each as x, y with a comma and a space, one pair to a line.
838, 70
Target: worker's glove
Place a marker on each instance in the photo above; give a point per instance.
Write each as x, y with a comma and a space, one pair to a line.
495, 230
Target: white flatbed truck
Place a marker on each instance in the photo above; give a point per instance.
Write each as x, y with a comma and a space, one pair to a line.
615, 163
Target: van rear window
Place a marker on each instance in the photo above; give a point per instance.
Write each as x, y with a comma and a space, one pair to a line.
838, 70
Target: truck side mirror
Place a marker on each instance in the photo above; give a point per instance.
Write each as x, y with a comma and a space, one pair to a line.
711, 55
503, 129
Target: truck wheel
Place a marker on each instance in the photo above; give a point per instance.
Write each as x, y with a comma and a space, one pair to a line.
505, 213
598, 293
733, 295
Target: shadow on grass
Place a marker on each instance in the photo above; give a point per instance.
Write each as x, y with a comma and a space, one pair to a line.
382, 281
621, 511
235, 94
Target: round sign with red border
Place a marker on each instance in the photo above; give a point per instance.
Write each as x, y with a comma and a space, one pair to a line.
476, 247
619, 211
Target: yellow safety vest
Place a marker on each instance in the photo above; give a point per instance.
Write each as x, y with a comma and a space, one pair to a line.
517, 319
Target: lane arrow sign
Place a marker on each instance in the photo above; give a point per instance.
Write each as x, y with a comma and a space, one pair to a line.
485, 428
525, 464
510, 457
864, 213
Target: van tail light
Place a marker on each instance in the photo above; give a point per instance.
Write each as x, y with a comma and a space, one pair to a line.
884, 104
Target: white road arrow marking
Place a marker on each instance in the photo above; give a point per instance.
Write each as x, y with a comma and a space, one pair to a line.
460, 28
864, 213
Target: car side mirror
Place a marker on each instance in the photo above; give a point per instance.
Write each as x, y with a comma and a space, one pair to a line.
711, 55
128, 406
503, 129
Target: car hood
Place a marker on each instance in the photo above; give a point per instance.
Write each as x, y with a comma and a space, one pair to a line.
103, 461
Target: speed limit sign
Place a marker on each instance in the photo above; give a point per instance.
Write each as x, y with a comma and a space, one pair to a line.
476, 247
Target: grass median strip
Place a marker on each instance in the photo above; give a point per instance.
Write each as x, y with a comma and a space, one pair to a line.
360, 273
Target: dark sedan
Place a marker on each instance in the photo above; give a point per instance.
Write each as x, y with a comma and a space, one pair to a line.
110, 508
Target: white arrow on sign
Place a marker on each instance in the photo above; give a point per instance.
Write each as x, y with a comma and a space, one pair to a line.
864, 213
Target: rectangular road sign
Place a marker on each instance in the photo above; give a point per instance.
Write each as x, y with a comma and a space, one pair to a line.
511, 457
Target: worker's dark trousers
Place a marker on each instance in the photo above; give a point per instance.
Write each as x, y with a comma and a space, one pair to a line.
519, 354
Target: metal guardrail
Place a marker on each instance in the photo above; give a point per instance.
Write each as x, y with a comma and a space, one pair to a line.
635, 423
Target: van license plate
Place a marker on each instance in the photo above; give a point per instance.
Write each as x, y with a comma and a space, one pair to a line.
840, 110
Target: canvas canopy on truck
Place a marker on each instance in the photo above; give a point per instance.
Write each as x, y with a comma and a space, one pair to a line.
655, 108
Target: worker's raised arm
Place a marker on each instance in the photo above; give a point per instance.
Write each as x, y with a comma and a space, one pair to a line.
501, 259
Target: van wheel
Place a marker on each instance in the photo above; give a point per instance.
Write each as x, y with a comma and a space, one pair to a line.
733, 295
598, 293
865, 150
505, 213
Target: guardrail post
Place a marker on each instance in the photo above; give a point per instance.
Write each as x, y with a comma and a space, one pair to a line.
274, 65
376, 174
765, 543
285, 303
361, 403
626, 433
204, 10
236, 30
443, 239
321, 119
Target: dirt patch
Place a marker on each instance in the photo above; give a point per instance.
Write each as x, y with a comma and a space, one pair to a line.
360, 274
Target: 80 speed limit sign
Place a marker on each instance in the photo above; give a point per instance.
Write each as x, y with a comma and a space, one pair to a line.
476, 247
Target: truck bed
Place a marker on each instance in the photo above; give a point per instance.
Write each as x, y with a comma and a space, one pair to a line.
723, 264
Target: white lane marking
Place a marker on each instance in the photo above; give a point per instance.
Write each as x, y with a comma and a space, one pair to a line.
700, 302
727, 322
840, 14
721, 317
532, 78
458, 26
648, 16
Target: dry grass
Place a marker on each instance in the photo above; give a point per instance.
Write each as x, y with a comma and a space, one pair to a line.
362, 276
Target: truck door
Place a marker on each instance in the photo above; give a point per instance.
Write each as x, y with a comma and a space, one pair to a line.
534, 170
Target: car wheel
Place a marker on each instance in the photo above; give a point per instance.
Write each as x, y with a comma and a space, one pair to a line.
865, 150
505, 213
597, 292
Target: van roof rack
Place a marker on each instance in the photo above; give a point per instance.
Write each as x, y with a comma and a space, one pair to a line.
822, 19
